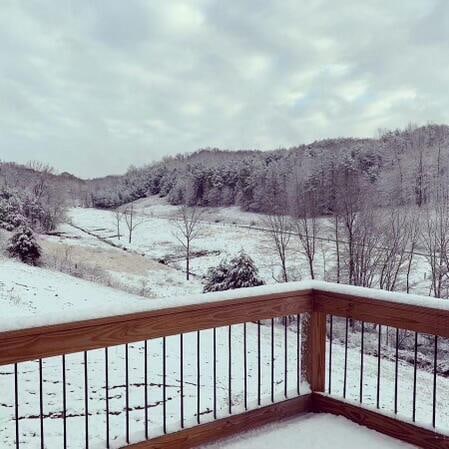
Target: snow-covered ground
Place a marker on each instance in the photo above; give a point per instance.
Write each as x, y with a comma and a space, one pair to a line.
311, 432
224, 232
33, 296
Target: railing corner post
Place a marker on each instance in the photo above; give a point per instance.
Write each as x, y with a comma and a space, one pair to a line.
315, 351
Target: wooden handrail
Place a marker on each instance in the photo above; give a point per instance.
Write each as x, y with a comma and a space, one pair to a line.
47, 341
411, 317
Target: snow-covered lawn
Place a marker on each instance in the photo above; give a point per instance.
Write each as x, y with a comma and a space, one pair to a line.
311, 432
224, 232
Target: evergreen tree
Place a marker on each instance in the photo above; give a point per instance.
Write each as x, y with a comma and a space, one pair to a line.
240, 272
216, 278
24, 246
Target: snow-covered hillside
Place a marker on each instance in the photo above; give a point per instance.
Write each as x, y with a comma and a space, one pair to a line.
31, 296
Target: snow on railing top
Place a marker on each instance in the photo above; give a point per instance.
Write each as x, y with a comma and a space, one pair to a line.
379, 295
133, 304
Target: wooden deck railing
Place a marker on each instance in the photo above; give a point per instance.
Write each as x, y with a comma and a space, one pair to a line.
181, 377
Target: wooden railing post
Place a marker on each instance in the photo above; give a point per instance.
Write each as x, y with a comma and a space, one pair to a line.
315, 351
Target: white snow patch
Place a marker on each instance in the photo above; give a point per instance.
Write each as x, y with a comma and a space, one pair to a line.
312, 431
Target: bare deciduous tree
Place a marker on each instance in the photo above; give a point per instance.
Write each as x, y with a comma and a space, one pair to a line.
132, 220
118, 216
280, 231
398, 240
306, 227
435, 238
187, 229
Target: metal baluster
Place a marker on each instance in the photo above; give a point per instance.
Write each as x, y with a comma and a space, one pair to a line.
435, 368
361, 360
41, 404
298, 354
259, 368
285, 357
345, 369
272, 359
245, 368
164, 384
64, 401
415, 367
396, 372
106, 372
127, 391
230, 369
181, 371
215, 372
331, 332
379, 349
16, 404
86, 401
198, 378
145, 369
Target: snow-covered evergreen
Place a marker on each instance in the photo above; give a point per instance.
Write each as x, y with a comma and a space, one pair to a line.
24, 246
240, 272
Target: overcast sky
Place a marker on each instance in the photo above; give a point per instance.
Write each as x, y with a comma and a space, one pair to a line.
92, 86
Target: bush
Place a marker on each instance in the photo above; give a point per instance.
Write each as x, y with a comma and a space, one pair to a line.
240, 272
24, 246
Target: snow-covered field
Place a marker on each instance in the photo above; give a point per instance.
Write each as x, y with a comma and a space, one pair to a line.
224, 232
33, 296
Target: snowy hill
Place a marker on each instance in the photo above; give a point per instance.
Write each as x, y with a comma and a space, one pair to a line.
32, 296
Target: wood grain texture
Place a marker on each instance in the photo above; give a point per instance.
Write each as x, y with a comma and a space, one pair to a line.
403, 316
315, 351
395, 428
47, 341
226, 427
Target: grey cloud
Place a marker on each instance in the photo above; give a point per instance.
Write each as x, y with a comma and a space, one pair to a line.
94, 86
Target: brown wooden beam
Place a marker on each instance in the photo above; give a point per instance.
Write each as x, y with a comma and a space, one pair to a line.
389, 313
47, 341
315, 351
226, 427
404, 431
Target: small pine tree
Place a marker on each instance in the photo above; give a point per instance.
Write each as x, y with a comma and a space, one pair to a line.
240, 272
24, 246
243, 272
216, 278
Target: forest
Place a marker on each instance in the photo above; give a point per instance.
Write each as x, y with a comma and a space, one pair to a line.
381, 201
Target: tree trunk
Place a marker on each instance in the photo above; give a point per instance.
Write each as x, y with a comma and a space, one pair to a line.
188, 261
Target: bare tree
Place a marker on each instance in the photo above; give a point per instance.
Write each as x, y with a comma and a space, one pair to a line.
306, 227
131, 220
118, 216
280, 231
366, 252
414, 229
187, 229
44, 172
435, 238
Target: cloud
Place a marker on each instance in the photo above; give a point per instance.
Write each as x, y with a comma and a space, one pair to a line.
92, 87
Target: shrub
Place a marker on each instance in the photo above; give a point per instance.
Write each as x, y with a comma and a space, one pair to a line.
24, 246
